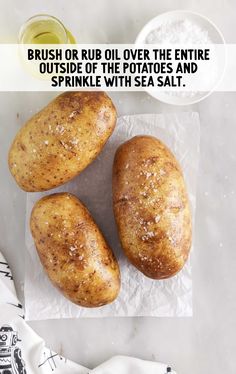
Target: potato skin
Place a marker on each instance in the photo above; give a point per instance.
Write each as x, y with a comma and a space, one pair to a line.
73, 251
61, 140
151, 207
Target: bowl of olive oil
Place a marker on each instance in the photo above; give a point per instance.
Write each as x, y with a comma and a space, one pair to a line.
44, 29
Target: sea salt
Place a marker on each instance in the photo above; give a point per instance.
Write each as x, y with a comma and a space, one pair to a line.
179, 32
72, 248
60, 129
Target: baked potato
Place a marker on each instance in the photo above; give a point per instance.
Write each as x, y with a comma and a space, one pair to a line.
151, 207
61, 140
73, 251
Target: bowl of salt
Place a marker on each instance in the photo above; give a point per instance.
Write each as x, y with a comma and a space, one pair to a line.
182, 28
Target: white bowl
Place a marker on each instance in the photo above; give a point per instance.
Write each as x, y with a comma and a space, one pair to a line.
175, 16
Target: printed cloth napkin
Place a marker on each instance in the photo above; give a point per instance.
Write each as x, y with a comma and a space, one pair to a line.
22, 351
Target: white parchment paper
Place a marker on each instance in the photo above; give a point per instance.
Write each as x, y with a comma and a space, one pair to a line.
139, 296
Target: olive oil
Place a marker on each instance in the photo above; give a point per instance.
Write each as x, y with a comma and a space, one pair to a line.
43, 29
44, 37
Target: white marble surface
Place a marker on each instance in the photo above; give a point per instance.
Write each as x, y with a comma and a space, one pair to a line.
205, 343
